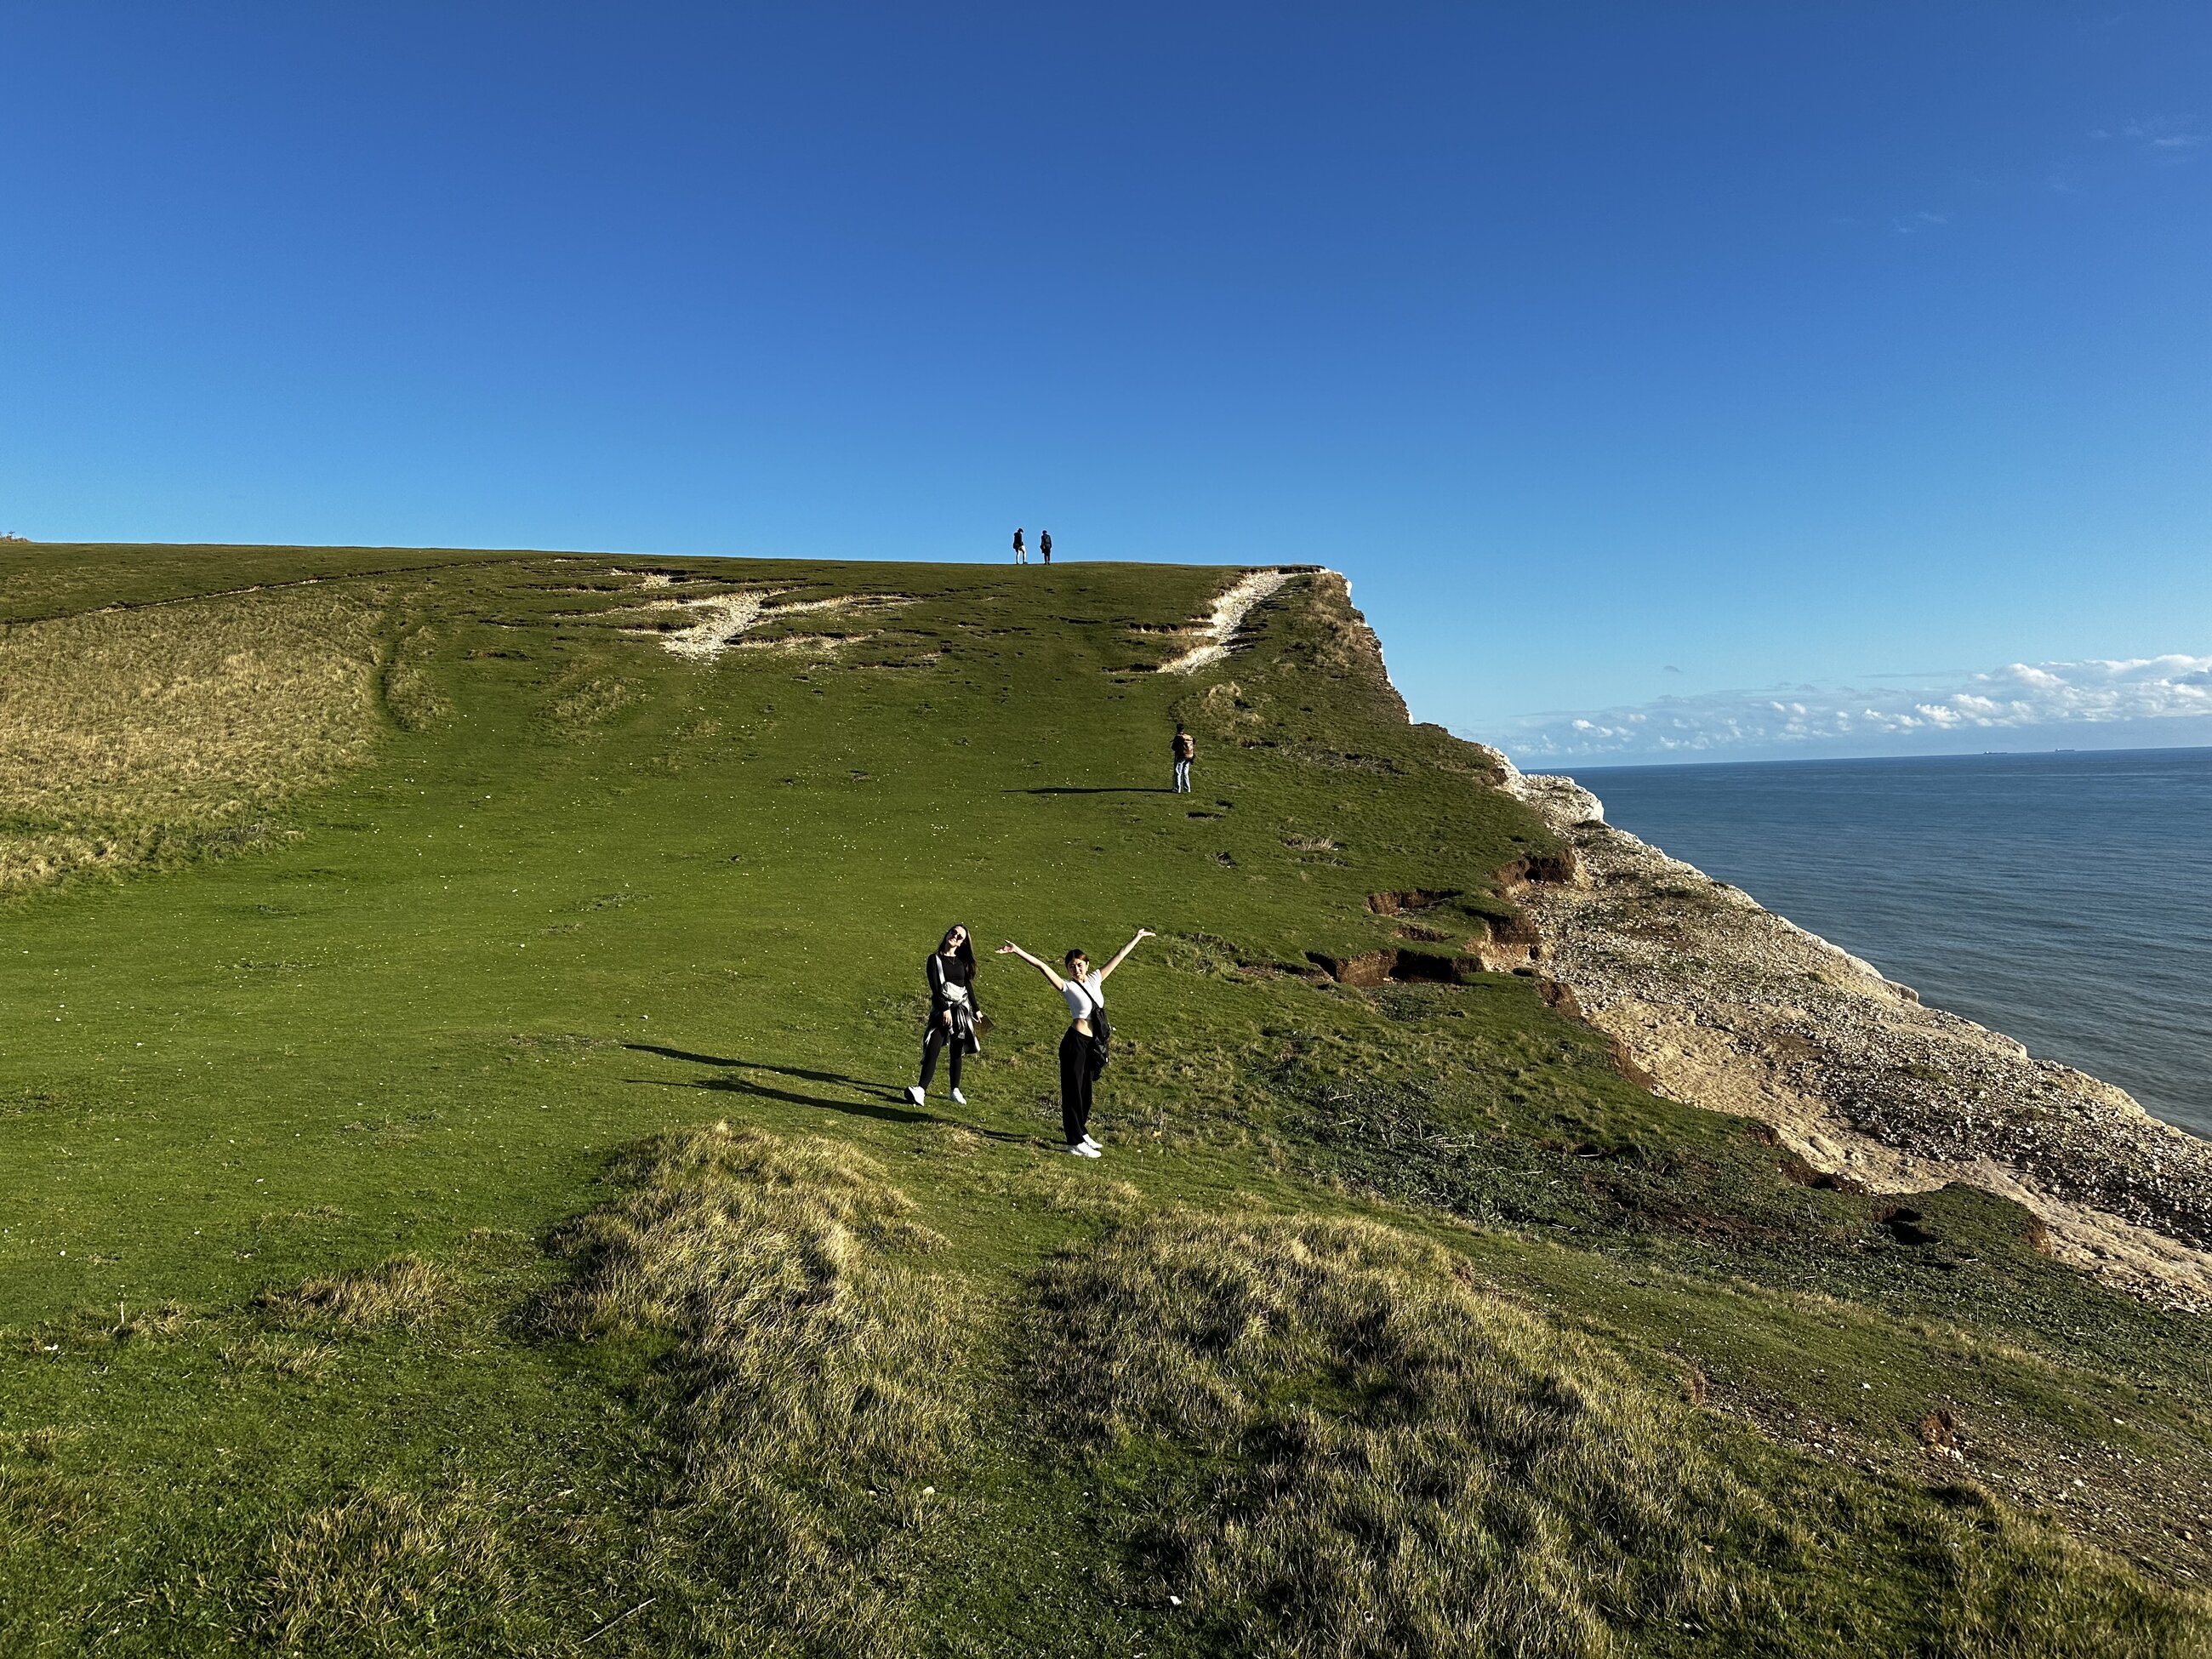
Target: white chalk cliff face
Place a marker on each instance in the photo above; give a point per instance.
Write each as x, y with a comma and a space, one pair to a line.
1726, 1005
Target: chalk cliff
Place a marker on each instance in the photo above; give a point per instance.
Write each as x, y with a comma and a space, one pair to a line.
1725, 1004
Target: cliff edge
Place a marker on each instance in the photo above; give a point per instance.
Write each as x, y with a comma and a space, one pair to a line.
1727, 1005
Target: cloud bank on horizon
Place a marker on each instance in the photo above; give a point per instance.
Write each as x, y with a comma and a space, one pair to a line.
2019, 695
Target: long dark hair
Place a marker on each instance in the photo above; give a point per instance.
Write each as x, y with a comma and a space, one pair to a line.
965, 956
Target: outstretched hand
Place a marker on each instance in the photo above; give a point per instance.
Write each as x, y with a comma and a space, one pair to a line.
1007, 948
1146, 932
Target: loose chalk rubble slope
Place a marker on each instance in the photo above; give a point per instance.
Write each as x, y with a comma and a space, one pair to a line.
1219, 629
1729, 1006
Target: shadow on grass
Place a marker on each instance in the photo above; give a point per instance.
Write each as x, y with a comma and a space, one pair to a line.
882, 1108
1082, 789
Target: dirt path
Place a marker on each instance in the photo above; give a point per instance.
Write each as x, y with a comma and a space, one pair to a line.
1219, 629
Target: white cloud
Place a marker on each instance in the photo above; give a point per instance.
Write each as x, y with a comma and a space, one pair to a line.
1919, 222
2164, 137
2019, 695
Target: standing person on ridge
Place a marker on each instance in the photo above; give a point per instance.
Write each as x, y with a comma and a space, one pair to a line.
1021, 553
1083, 1051
1183, 749
951, 971
1044, 544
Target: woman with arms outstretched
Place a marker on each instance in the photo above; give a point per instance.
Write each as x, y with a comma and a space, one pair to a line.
1083, 1050
951, 971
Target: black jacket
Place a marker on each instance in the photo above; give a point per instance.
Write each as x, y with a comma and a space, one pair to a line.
941, 971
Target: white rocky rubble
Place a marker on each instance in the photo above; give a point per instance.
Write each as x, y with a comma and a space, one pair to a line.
1729, 1006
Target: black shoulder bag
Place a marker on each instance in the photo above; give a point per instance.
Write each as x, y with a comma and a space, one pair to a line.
1102, 1032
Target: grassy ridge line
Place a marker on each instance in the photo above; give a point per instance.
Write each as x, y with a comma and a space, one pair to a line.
556, 924
51, 579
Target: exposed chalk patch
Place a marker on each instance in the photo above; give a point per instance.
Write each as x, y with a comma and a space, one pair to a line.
725, 618
722, 618
1219, 630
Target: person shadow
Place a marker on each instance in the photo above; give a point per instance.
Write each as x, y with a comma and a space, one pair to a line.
887, 1103
1091, 789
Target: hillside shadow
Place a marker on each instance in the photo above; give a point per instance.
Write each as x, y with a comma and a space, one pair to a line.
888, 1105
800, 1071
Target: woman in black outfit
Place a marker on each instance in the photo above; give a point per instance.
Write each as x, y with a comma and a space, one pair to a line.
1083, 1048
951, 971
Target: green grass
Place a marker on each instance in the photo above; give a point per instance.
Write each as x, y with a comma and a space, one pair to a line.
371, 1279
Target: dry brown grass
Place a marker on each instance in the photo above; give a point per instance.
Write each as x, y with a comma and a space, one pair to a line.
410, 694
264, 1353
133, 735
814, 1388
404, 1289
1394, 1462
1351, 1449
162, 1322
383, 1571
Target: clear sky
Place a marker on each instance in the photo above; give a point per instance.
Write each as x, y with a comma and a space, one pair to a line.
1618, 353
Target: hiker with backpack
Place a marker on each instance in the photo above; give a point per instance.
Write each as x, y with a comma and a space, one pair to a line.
1044, 544
1021, 553
1184, 750
1083, 1049
950, 973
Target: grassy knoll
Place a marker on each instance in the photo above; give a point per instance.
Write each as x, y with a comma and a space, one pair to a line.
480, 1216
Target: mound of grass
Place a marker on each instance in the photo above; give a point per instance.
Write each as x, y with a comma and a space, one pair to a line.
1364, 1453
1331, 1438
128, 735
382, 1572
403, 1290
812, 1393
264, 1353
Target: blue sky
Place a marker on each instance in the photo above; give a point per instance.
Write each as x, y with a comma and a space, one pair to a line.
1647, 366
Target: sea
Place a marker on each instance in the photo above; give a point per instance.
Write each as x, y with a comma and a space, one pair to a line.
2063, 899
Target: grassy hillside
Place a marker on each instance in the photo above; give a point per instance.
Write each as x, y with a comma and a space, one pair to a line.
455, 1195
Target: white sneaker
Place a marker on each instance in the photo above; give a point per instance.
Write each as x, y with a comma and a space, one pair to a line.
1095, 1146
914, 1094
1079, 1149
959, 1099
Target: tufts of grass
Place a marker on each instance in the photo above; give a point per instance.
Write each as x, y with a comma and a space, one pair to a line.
383, 1571
1365, 1454
263, 1353
812, 1388
404, 1289
162, 1323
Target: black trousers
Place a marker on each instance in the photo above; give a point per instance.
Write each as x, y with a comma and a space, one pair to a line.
937, 1037
1076, 1075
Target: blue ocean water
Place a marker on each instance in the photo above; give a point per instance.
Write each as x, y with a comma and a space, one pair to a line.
2063, 899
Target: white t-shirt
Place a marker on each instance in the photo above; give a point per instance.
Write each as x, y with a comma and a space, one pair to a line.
1079, 1005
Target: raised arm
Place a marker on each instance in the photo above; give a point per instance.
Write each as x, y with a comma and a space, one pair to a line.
1012, 949
1143, 933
